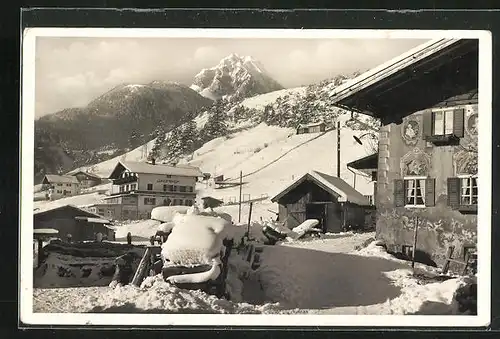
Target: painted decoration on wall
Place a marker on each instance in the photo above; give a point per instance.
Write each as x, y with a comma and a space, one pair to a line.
415, 162
411, 131
465, 156
471, 126
465, 161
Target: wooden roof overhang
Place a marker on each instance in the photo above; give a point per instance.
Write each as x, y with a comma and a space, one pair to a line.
417, 80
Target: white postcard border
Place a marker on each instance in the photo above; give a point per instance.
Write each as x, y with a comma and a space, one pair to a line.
27, 316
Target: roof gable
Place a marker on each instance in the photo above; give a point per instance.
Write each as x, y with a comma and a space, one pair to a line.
333, 185
143, 167
91, 175
70, 207
54, 178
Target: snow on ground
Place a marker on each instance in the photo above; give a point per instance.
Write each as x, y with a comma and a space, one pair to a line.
220, 155
259, 101
139, 229
272, 175
319, 276
154, 296
103, 169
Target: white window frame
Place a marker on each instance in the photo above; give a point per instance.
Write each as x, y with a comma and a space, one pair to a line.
470, 195
443, 110
415, 177
147, 187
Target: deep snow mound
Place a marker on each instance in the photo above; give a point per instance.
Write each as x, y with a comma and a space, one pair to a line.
157, 296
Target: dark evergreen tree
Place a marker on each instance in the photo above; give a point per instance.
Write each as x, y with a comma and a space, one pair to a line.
134, 140
173, 145
216, 125
189, 137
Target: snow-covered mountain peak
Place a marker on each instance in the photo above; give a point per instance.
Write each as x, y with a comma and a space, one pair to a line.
234, 75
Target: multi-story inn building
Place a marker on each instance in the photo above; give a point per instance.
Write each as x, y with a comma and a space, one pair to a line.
138, 187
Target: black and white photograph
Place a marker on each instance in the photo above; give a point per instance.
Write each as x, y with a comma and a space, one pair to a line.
255, 177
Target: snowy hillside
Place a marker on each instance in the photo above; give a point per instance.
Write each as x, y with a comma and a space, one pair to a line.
276, 156
234, 77
259, 101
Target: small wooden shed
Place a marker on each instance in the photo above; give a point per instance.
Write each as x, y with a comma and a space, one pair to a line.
317, 127
331, 200
81, 225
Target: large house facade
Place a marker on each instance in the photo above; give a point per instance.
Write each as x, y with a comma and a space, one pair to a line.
139, 187
86, 179
60, 186
427, 173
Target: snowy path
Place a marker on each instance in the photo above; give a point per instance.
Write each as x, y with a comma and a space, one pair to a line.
320, 276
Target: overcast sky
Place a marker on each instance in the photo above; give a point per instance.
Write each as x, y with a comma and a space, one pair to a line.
70, 72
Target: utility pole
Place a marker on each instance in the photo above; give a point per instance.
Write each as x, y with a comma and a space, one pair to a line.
239, 208
338, 149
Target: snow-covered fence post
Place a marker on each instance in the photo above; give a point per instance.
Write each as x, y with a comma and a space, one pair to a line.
249, 220
241, 185
415, 233
140, 273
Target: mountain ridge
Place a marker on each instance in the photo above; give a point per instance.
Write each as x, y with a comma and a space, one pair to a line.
234, 78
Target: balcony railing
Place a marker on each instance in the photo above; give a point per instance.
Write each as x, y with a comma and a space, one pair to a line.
126, 180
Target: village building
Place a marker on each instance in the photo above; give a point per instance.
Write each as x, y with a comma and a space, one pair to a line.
331, 200
366, 167
86, 179
59, 186
105, 210
427, 174
317, 127
139, 187
74, 223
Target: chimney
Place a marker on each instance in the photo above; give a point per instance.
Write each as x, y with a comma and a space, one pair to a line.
153, 161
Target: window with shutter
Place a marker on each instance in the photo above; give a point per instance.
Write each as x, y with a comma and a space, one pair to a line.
454, 192
430, 189
415, 193
458, 122
446, 126
399, 193
427, 124
468, 193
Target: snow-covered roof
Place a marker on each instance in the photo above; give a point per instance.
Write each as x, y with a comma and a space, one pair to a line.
407, 83
144, 167
55, 208
58, 179
333, 185
389, 67
92, 175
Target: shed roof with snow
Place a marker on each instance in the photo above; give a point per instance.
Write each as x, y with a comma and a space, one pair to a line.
418, 79
88, 174
333, 185
144, 167
55, 208
59, 179
312, 124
